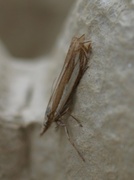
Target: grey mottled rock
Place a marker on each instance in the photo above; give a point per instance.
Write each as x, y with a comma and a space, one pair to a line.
104, 103
105, 98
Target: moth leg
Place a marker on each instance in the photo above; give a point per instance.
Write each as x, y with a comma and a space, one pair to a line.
57, 126
70, 140
78, 121
60, 123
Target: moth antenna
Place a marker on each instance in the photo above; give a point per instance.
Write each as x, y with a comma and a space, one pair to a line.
77, 120
70, 140
87, 42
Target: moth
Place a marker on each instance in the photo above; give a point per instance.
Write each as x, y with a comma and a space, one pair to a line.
73, 69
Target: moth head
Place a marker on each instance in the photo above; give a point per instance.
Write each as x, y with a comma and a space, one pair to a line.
48, 121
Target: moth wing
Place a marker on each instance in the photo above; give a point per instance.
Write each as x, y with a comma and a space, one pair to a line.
67, 60
78, 70
72, 69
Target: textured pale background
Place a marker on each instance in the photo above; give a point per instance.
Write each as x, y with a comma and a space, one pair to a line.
29, 27
104, 102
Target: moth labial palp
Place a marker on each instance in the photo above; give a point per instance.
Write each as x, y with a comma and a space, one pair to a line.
73, 69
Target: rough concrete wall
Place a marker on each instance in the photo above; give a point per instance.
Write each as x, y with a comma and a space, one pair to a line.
14, 157
104, 102
105, 97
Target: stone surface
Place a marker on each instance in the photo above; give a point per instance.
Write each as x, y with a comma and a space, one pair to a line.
14, 154
104, 103
104, 100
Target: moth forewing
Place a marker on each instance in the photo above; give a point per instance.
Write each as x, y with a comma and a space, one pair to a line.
63, 77
79, 66
73, 69
68, 90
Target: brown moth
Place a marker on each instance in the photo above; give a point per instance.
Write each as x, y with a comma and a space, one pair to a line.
73, 69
